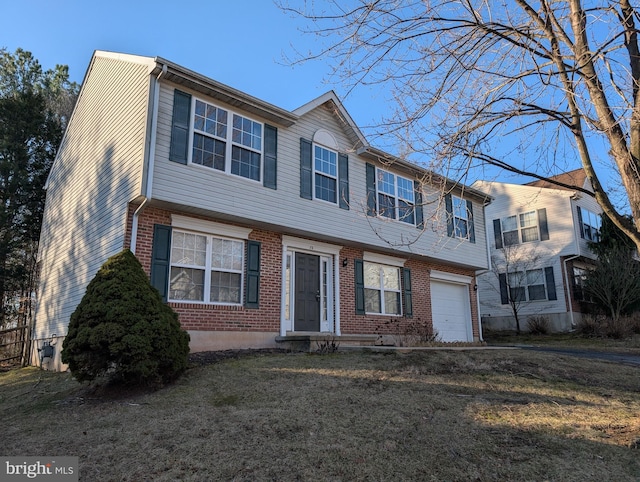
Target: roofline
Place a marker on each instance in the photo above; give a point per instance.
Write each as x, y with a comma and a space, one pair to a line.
212, 88
379, 155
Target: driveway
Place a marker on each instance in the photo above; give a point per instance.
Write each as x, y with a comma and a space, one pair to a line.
626, 359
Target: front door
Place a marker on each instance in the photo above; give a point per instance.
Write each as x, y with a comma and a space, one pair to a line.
307, 290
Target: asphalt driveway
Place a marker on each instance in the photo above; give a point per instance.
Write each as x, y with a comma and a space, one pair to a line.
626, 359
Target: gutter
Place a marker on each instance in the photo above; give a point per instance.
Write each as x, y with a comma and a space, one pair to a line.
567, 287
480, 273
150, 158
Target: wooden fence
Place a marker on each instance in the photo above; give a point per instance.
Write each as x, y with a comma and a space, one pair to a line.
13, 346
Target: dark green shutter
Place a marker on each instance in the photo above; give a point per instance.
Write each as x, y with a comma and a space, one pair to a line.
408, 298
306, 170
359, 283
497, 233
472, 229
343, 179
180, 127
504, 289
417, 209
542, 222
371, 190
252, 298
448, 204
270, 157
160, 256
551, 284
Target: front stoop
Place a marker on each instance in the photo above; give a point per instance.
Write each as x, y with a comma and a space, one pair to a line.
310, 342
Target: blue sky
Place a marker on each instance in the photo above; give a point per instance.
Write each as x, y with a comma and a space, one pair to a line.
241, 43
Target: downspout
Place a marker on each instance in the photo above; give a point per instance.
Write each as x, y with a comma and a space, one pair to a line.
480, 273
151, 159
567, 287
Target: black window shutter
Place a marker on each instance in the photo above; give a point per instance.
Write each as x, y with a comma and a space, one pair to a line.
180, 127
580, 221
504, 289
417, 189
371, 189
306, 171
252, 298
343, 177
542, 222
497, 233
551, 284
472, 229
359, 282
408, 297
449, 207
270, 157
160, 256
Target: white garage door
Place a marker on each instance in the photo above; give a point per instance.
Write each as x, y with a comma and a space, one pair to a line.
451, 311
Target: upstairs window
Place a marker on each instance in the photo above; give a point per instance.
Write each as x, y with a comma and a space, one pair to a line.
460, 217
396, 198
590, 224
325, 163
521, 228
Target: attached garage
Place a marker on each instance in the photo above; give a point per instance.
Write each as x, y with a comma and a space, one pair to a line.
450, 307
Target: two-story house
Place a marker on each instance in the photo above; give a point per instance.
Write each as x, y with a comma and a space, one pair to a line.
538, 235
255, 223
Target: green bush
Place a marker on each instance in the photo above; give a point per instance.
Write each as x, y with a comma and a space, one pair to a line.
122, 329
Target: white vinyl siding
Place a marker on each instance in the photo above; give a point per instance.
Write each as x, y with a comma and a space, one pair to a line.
285, 209
97, 172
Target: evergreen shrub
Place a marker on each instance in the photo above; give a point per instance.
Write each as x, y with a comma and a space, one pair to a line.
122, 329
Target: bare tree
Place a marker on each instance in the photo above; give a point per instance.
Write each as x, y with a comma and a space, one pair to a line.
527, 86
520, 280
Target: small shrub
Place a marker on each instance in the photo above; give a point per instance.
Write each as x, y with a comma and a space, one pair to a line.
409, 333
538, 325
591, 325
329, 345
122, 329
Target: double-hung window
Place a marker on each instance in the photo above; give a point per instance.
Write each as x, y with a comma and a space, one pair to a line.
325, 163
527, 285
460, 217
226, 141
382, 289
396, 197
520, 228
206, 268
591, 224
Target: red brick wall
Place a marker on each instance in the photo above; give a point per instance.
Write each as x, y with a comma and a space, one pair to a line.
350, 323
195, 316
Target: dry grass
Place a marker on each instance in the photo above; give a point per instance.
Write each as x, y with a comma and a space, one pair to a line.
630, 344
439, 415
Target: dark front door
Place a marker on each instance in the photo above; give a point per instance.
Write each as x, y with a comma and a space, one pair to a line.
307, 302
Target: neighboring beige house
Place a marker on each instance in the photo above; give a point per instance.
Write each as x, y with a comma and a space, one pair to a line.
538, 236
258, 225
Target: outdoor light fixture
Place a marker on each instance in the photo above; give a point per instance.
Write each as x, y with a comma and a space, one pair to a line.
345, 262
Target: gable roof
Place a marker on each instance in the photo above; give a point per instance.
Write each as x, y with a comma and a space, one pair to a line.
576, 179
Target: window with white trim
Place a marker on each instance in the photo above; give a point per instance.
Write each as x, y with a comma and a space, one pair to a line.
325, 165
520, 228
235, 149
527, 285
591, 224
382, 289
460, 217
206, 268
396, 197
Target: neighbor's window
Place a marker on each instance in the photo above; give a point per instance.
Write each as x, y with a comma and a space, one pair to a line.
527, 285
591, 224
235, 149
520, 228
205, 268
396, 197
325, 164
382, 289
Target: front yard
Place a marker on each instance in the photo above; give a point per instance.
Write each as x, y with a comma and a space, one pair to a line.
437, 415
